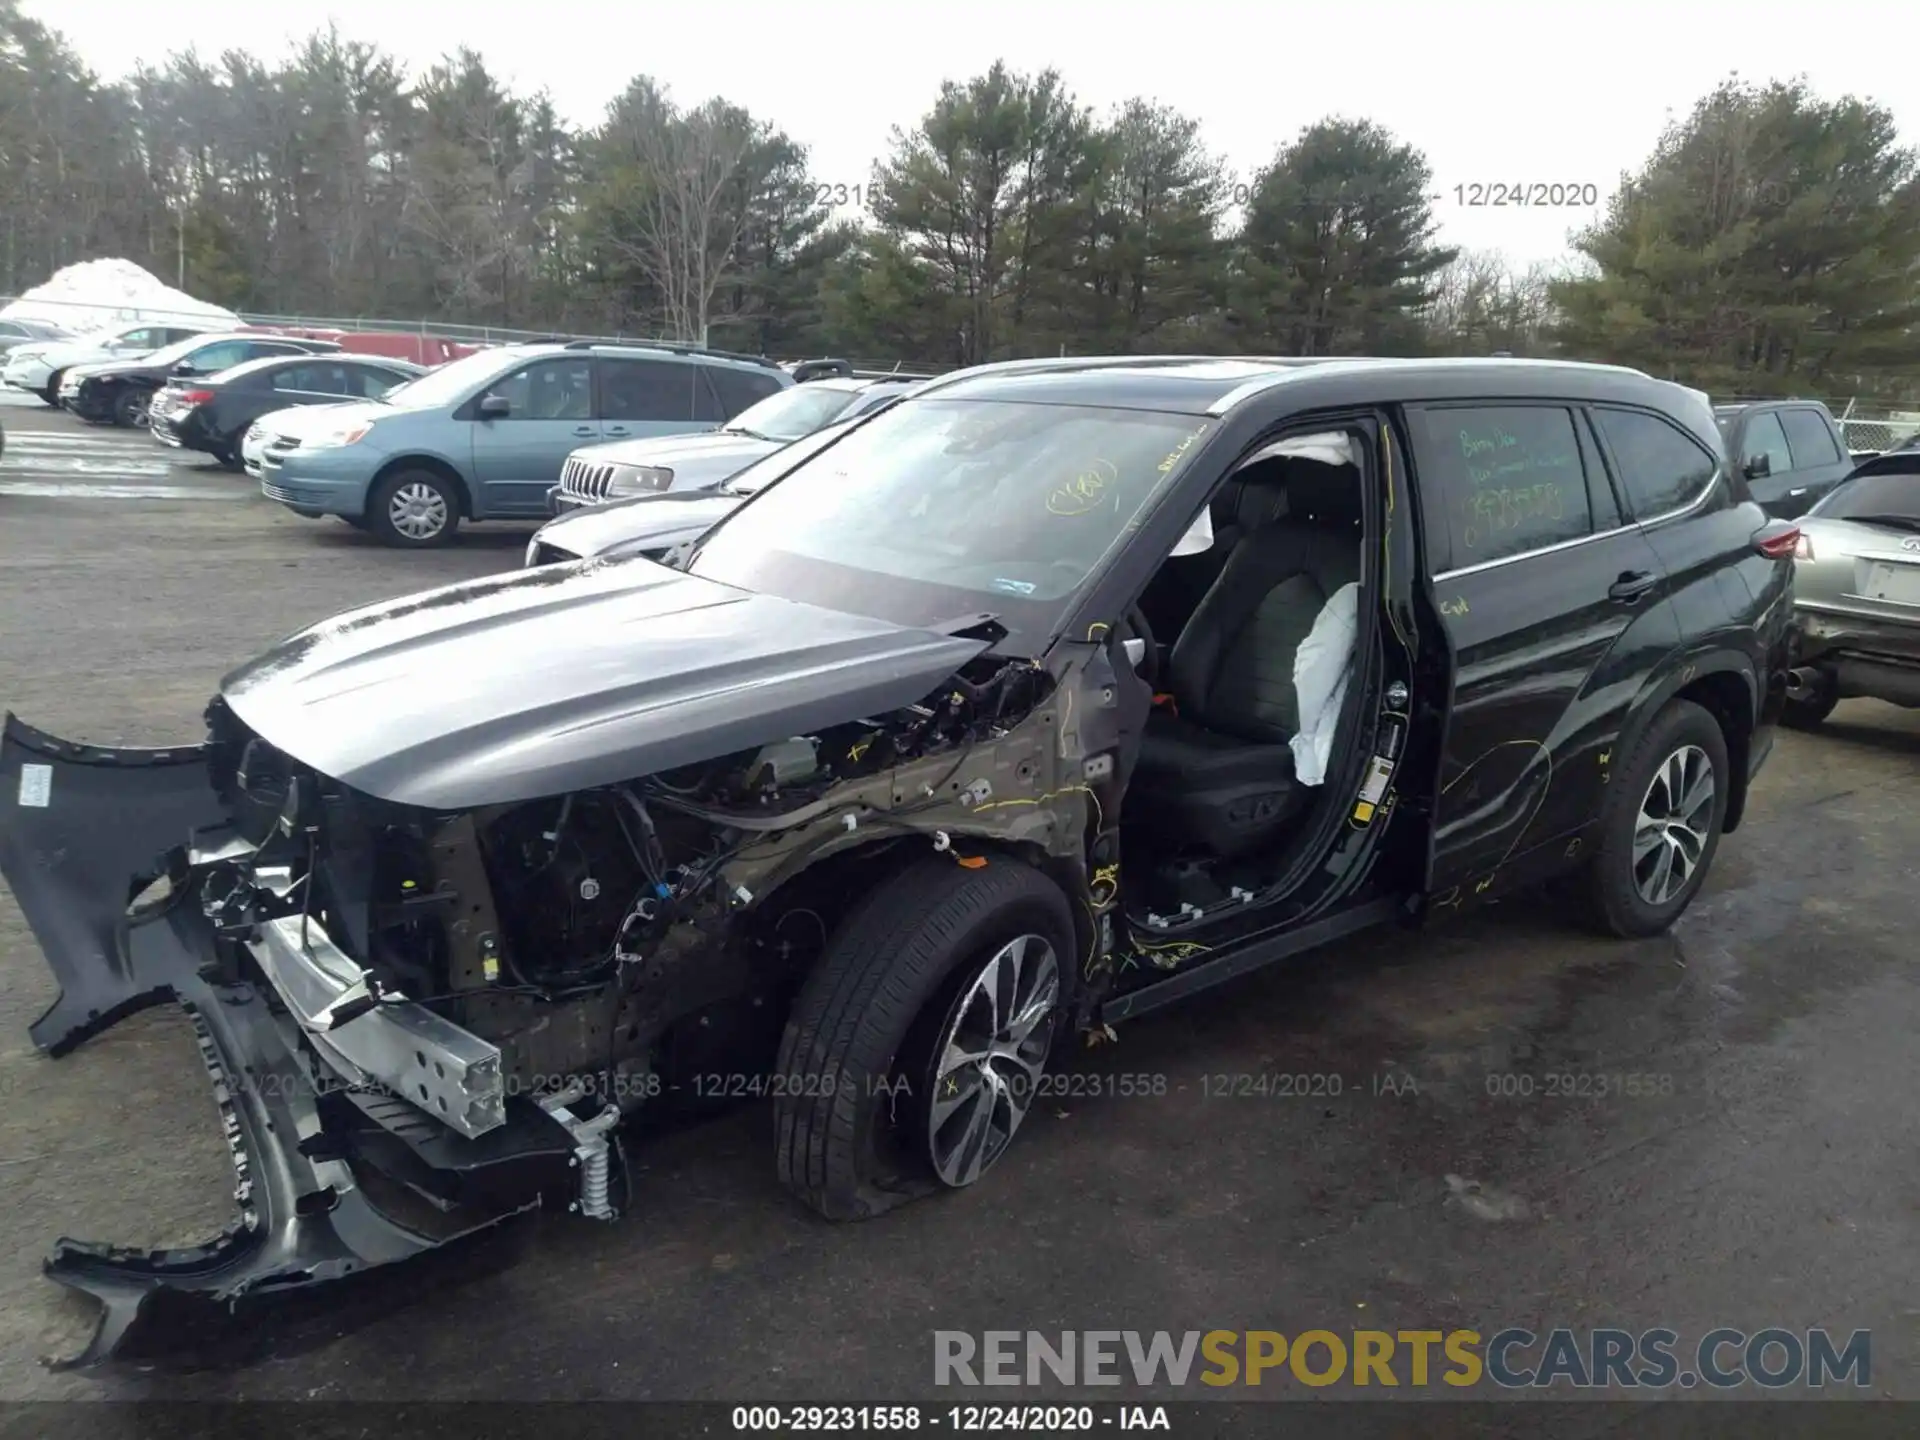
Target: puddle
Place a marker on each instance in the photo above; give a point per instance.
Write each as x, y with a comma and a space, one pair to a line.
47, 490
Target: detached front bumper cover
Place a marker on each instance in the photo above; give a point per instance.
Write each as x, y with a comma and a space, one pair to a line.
83, 830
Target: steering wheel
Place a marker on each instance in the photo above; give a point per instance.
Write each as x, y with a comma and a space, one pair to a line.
1149, 668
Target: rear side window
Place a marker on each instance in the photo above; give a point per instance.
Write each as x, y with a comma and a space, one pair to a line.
363, 380
222, 356
738, 389
1660, 467
1509, 478
1808, 439
310, 379
646, 390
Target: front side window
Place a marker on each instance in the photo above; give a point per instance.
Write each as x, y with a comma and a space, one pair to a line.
222, 356
1661, 468
548, 390
1509, 478
939, 509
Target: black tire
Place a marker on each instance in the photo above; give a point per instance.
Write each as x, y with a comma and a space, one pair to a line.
1809, 713
227, 457
52, 393
130, 408
856, 1060
1615, 903
380, 519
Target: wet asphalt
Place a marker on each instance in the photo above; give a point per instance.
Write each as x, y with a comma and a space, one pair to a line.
1480, 1166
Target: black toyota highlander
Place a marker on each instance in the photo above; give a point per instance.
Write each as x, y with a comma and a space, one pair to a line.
1057, 692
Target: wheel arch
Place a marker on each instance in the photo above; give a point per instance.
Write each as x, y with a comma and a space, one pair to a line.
1723, 684
833, 884
434, 464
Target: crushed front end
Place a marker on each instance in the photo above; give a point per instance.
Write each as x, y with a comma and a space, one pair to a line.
364, 1127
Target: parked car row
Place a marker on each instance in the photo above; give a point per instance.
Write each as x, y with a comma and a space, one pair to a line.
492, 437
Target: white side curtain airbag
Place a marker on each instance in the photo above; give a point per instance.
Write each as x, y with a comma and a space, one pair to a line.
1320, 669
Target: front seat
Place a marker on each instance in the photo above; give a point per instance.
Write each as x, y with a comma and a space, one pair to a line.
1216, 774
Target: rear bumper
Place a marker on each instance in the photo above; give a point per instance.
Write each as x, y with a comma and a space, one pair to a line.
334, 1172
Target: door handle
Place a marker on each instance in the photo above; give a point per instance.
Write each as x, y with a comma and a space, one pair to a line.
615, 430
584, 430
1631, 585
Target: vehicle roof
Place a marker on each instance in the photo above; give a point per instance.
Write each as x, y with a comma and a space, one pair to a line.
344, 357
656, 350
1201, 385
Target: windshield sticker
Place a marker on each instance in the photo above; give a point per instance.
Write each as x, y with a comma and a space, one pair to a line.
36, 786
1174, 456
1086, 492
1014, 587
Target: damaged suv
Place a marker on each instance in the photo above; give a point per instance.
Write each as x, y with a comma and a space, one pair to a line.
1059, 691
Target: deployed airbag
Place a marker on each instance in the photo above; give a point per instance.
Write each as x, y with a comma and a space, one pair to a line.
1320, 669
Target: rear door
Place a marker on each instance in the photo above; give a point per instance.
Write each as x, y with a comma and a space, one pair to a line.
517, 457
1548, 599
643, 398
1819, 461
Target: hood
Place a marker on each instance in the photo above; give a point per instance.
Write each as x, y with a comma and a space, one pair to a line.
114, 369
67, 354
304, 420
645, 522
673, 451
543, 681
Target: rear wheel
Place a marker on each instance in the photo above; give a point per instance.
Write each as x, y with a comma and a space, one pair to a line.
915, 1051
414, 509
1661, 824
52, 393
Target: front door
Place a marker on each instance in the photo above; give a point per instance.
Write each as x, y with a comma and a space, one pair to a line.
517, 456
1549, 602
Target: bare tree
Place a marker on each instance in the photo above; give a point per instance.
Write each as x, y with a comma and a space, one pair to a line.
693, 207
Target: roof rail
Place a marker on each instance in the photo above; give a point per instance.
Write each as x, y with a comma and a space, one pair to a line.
673, 347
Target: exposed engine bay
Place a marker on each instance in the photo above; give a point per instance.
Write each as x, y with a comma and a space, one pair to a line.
597, 944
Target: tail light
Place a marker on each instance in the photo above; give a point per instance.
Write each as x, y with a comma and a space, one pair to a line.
1803, 547
196, 397
1777, 541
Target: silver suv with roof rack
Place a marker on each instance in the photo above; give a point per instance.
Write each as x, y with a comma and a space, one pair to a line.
827, 392
485, 437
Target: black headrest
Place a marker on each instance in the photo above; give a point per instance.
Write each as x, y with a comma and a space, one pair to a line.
1322, 494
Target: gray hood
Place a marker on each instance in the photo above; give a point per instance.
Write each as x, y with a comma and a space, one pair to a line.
645, 522
569, 676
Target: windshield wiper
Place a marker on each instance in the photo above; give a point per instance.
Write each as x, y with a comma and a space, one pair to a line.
750, 434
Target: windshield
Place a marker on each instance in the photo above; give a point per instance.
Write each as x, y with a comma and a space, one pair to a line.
796, 411
449, 384
1892, 500
938, 509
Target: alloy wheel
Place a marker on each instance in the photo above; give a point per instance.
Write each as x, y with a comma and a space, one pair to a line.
417, 511
1675, 824
990, 1059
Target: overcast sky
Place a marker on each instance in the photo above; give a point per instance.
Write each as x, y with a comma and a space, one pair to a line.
1537, 93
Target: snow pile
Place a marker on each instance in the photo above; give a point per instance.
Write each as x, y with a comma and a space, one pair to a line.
97, 293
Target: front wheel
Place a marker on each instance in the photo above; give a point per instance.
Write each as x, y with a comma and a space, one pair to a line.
919, 1043
1660, 825
413, 510
130, 409
52, 392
